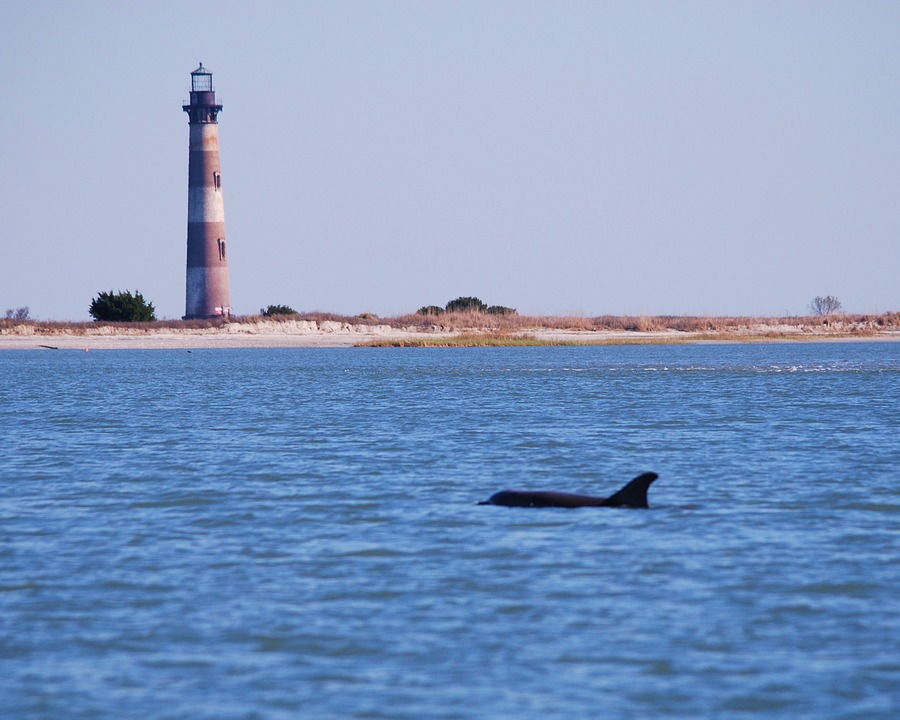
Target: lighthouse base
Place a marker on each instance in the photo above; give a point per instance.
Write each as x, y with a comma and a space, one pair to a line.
208, 293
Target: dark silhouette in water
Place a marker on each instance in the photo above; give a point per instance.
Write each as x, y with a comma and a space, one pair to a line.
633, 495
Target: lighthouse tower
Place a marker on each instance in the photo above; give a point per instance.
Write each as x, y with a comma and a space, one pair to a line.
208, 294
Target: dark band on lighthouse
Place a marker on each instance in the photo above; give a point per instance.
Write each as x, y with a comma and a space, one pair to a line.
208, 293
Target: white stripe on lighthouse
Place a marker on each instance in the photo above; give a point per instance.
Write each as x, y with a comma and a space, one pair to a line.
205, 204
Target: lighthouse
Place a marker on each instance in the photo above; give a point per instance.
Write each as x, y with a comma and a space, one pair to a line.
208, 293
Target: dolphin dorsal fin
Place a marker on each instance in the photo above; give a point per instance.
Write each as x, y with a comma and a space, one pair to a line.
634, 494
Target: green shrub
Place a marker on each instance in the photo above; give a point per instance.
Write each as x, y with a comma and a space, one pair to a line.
466, 304
501, 310
121, 307
278, 310
430, 310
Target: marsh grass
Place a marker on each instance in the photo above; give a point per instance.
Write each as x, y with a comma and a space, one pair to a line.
498, 339
505, 340
464, 322
490, 339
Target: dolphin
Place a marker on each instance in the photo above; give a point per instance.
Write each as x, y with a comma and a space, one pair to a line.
633, 495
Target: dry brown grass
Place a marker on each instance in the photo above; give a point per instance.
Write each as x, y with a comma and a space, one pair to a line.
316, 316
469, 339
456, 322
699, 327
54, 327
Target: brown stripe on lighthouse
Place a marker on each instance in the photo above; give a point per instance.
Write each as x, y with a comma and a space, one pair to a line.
207, 293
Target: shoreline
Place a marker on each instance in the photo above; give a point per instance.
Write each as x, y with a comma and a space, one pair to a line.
334, 334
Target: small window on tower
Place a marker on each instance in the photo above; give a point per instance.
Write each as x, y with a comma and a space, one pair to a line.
217, 180
221, 249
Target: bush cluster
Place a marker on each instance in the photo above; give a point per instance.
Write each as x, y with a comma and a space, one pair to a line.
121, 307
278, 310
21, 313
466, 305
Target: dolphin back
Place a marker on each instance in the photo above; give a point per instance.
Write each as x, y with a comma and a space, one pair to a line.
634, 494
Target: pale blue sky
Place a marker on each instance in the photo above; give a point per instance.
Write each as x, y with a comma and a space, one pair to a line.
704, 158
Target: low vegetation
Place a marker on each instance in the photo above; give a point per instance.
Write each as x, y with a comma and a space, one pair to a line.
489, 339
431, 310
828, 305
483, 322
121, 307
466, 305
442, 328
274, 310
21, 313
701, 327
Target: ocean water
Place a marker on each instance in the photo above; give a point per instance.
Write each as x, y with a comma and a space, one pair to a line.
294, 533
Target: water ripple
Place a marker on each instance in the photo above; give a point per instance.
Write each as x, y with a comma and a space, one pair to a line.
236, 534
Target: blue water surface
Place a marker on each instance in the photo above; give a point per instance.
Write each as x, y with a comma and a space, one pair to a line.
294, 533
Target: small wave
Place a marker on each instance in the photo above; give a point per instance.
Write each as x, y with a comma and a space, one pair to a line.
847, 589
181, 501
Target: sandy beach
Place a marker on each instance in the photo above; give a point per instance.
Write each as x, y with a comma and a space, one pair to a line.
329, 333
232, 335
